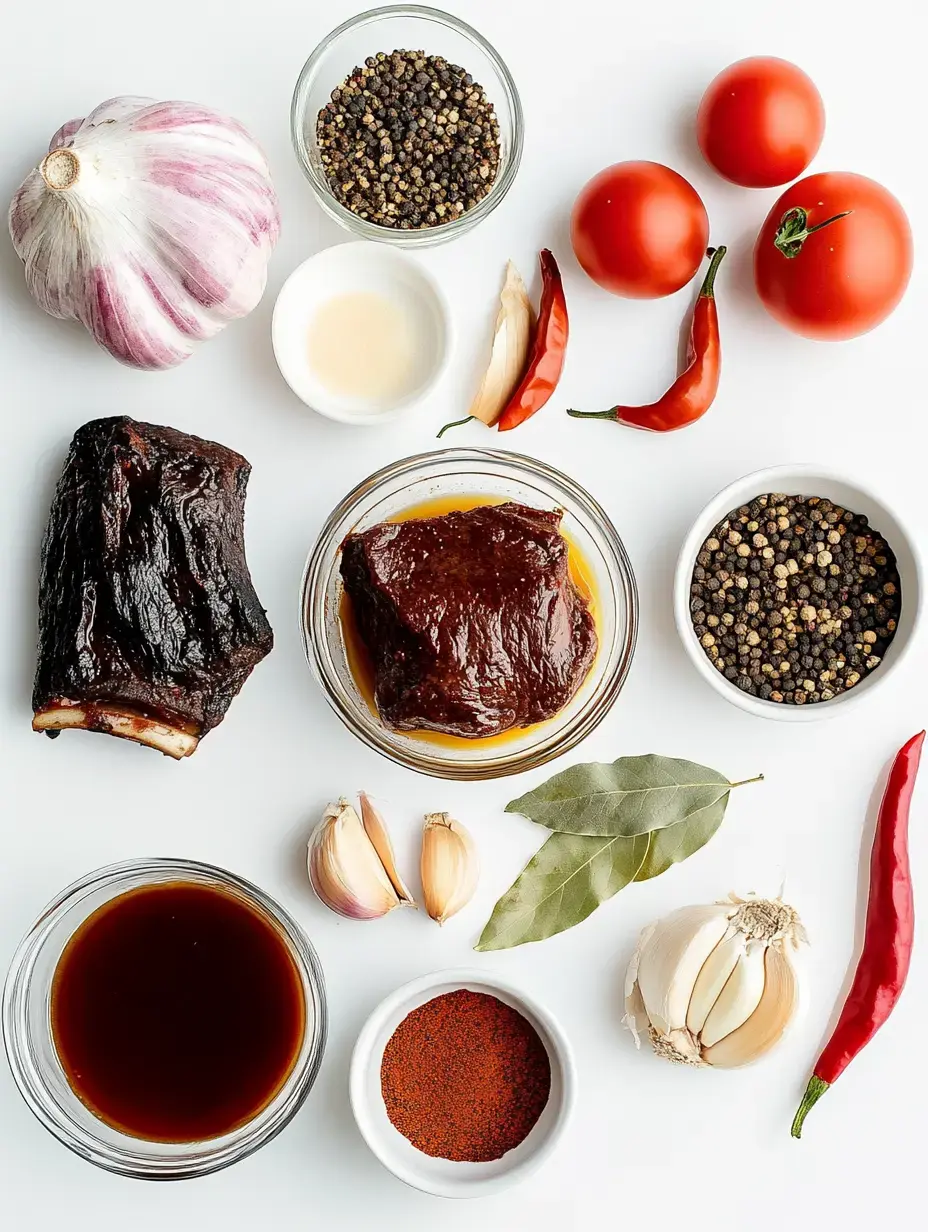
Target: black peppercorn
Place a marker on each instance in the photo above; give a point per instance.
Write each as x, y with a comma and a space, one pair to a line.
804, 603
409, 118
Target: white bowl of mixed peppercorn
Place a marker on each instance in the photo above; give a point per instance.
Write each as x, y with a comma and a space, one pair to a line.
797, 593
408, 125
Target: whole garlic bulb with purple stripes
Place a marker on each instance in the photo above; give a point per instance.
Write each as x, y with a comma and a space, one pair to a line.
150, 223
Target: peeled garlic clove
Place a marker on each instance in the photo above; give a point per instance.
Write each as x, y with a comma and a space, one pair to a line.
376, 830
450, 866
767, 1025
712, 979
345, 869
738, 999
672, 959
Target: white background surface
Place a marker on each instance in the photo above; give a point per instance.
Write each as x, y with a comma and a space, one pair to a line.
650, 1146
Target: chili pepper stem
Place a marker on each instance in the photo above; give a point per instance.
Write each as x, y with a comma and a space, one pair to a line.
707, 290
456, 423
593, 414
814, 1092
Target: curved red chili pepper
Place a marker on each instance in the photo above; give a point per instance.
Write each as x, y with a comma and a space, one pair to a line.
546, 361
694, 390
887, 949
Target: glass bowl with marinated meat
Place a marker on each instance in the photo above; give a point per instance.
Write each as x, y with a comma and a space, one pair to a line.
469, 613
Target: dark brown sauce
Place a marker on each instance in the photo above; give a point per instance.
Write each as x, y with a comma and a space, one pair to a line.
177, 1012
358, 656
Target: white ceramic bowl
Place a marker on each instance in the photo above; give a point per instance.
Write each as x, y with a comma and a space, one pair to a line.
804, 480
444, 1177
344, 269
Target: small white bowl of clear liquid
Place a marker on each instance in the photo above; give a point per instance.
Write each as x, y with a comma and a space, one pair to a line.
361, 332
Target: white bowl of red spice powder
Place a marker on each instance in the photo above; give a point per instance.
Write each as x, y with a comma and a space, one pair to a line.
461, 1083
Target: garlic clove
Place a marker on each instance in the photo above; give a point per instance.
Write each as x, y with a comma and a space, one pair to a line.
344, 868
712, 979
672, 958
509, 355
376, 830
739, 997
767, 1025
450, 866
636, 1016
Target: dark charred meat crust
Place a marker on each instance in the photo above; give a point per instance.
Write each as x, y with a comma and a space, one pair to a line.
471, 619
148, 621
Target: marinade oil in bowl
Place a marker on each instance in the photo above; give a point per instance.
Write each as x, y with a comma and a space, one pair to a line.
435, 483
164, 1018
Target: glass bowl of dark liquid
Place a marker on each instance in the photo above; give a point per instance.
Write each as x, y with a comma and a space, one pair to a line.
164, 1018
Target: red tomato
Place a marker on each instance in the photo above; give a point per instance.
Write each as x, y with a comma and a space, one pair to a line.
639, 230
760, 122
828, 276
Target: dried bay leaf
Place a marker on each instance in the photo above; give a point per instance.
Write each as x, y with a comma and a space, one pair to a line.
611, 824
676, 843
630, 796
564, 882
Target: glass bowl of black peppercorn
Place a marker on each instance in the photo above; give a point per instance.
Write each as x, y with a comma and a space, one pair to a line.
797, 593
407, 125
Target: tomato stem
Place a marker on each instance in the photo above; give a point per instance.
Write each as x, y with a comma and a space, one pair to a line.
794, 229
827, 223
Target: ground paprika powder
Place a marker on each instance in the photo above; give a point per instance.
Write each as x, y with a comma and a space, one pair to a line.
465, 1077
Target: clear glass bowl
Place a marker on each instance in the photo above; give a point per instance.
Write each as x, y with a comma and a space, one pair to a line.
496, 475
34, 1061
410, 27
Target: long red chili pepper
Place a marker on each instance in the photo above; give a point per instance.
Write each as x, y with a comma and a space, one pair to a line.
694, 390
549, 346
887, 949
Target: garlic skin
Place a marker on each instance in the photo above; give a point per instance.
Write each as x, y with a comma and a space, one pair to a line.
151, 223
345, 869
716, 985
450, 866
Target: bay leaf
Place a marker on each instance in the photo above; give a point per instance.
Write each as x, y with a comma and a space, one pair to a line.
677, 843
632, 795
564, 882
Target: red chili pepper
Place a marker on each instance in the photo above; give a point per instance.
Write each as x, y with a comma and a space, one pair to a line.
887, 949
546, 360
694, 390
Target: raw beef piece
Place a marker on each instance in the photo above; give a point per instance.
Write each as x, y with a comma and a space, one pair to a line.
471, 619
148, 622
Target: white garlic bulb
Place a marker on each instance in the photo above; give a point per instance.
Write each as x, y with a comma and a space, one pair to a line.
716, 984
150, 223
351, 865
